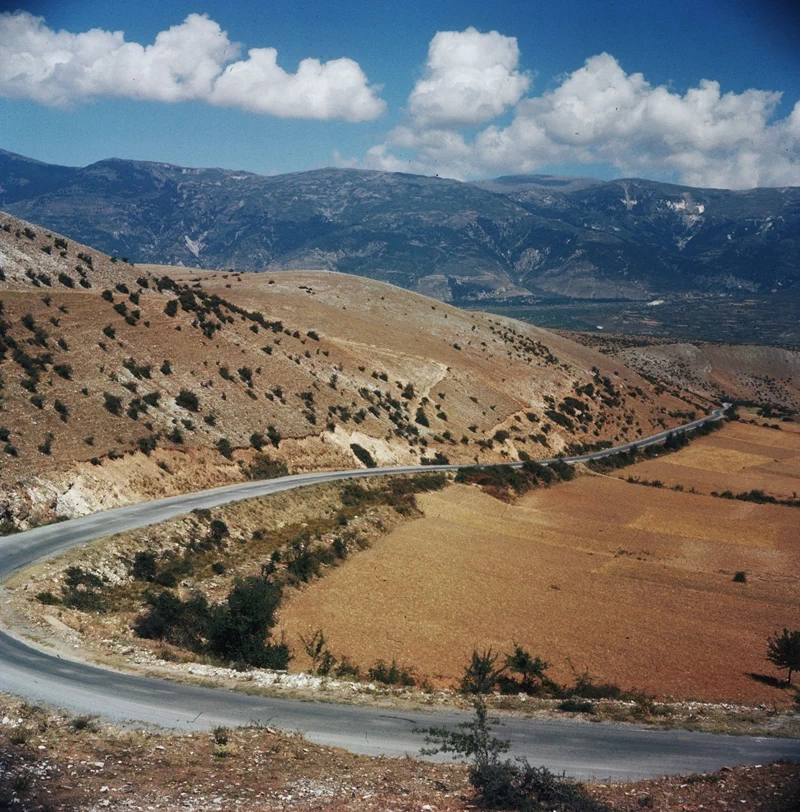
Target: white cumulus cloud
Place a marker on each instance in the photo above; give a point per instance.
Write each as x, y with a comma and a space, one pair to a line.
190, 61
597, 114
335, 89
470, 78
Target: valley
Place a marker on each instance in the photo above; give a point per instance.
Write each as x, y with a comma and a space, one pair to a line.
648, 591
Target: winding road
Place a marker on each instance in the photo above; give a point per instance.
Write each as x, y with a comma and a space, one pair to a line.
583, 750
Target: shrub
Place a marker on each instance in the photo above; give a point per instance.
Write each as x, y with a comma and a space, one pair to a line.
64, 371
784, 651
147, 444
83, 590
322, 661
144, 566
363, 456
530, 669
225, 448
504, 784
112, 403
171, 307
183, 623
47, 444
62, 409
575, 705
218, 530
48, 599
240, 626
392, 674
187, 399
303, 565
481, 675
740, 577
263, 467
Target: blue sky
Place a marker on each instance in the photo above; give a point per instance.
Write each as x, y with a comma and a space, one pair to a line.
394, 90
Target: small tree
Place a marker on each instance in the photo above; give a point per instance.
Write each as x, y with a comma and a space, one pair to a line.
473, 740
480, 675
322, 661
530, 669
784, 651
502, 784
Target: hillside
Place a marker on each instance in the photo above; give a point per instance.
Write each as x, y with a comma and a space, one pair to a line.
121, 383
744, 372
522, 238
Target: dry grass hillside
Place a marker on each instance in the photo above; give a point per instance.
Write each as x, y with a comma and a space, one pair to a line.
121, 383
746, 372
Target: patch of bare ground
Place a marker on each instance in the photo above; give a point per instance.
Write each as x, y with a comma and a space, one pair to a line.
633, 583
54, 762
152, 381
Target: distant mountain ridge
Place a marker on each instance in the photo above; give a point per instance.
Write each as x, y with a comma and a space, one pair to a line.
510, 238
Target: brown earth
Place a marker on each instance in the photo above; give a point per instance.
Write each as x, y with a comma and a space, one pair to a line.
327, 360
633, 583
57, 763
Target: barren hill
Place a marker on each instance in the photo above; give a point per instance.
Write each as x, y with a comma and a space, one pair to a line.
120, 383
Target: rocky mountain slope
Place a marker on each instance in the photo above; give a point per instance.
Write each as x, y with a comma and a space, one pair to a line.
120, 382
518, 237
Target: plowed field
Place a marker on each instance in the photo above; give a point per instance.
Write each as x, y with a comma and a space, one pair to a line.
633, 582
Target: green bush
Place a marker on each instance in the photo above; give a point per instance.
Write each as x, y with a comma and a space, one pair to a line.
575, 705
144, 566
112, 403
240, 626
187, 399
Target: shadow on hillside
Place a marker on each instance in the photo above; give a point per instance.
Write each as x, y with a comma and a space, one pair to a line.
766, 679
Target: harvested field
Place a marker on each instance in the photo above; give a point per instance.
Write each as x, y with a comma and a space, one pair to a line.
739, 458
633, 583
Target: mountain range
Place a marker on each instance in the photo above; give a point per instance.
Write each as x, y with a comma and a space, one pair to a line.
515, 238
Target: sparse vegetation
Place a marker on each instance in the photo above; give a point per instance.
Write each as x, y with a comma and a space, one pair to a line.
501, 784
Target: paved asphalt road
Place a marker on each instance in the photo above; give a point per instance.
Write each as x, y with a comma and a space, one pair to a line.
583, 750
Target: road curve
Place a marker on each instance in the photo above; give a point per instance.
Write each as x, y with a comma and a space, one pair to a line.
603, 751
